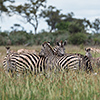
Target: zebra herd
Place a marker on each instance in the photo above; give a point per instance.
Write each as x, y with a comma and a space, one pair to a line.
47, 60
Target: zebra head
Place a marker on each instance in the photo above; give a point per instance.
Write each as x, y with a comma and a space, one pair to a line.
46, 50
8, 49
59, 49
88, 53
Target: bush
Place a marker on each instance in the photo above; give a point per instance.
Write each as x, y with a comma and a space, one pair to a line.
3, 38
77, 39
19, 38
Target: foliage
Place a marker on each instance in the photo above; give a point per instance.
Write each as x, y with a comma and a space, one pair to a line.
96, 39
3, 7
77, 39
3, 38
16, 37
52, 37
73, 25
53, 16
96, 25
19, 37
63, 26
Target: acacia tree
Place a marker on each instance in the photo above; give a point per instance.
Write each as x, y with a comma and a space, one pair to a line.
30, 11
52, 16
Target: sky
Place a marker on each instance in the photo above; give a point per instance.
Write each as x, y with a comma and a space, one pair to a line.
89, 9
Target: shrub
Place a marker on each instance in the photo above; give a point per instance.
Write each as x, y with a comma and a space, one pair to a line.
77, 38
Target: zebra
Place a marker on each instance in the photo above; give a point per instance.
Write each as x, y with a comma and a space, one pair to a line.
85, 59
95, 61
25, 62
63, 62
20, 63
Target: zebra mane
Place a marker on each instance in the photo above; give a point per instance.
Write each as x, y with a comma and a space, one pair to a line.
48, 44
61, 43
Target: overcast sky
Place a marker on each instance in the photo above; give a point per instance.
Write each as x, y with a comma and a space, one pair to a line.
89, 9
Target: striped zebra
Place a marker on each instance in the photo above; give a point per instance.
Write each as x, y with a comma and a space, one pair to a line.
25, 62
20, 63
85, 59
68, 61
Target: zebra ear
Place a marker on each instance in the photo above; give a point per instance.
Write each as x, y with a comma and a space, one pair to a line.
48, 42
65, 42
57, 43
7, 48
43, 45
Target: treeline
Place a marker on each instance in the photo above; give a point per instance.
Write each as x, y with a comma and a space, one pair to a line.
28, 39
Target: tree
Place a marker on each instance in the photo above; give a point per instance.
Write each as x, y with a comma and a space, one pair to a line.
29, 11
3, 7
63, 25
52, 16
73, 25
96, 25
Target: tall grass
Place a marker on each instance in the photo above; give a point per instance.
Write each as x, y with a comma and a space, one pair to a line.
58, 86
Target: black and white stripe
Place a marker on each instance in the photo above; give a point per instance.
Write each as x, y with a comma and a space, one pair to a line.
65, 62
86, 62
20, 63
25, 62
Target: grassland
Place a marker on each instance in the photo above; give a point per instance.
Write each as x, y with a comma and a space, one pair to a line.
59, 86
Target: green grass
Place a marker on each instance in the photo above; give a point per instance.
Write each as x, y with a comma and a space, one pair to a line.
60, 86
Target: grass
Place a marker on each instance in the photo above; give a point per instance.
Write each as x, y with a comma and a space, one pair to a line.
60, 86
